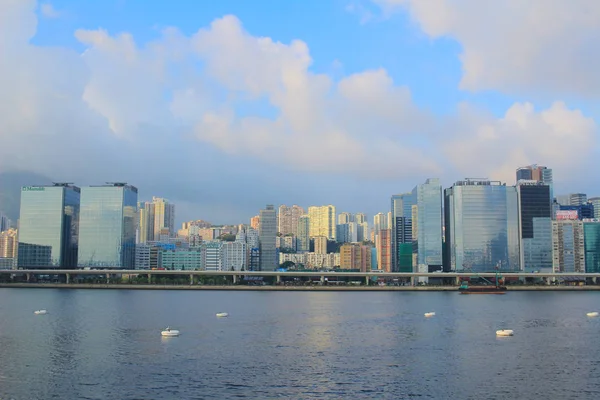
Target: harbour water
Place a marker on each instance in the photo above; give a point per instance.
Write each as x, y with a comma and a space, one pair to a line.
98, 344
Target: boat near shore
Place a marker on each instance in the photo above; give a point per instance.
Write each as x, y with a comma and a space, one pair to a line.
489, 288
481, 289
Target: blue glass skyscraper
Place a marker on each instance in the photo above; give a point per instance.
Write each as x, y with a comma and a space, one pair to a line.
401, 208
48, 226
107, 226
429, 224
482, 226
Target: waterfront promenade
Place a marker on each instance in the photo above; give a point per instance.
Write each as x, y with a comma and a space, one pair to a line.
338, 280
284, 288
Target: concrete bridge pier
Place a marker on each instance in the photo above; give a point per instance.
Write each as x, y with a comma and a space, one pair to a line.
149, 278
68, 278
322, 279
457, 281
191, 279
107, 278
367, 280
234, 279
278, 279
28, 276
412, 281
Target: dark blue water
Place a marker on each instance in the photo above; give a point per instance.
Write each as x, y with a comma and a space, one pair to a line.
101, 344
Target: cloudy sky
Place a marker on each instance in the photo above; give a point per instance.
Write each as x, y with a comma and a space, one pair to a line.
225, 106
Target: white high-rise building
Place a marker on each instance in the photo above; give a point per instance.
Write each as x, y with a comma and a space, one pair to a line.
235, 255
360, 218
213, 255
344, 218
164, 216
380, 221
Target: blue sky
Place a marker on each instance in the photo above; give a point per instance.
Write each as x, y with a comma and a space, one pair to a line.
339, 43
204, 102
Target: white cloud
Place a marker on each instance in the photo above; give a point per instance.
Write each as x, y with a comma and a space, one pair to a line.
187, 113
49, 11
516, 46
559, 137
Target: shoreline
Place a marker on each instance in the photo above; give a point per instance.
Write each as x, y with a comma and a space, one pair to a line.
374, 288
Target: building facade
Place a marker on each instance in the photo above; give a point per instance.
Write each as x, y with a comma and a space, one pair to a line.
267, 234
164, 217
179, 259
401, 207
428, 218
595, 202
213, 255
568, 246
107, 226
354, 256
303, 244
481, 227
322, 221
9, 243
287, 219
320, 244
235, 256
5, 223
591, 235
383, 244
577, 199
49, 226
535, 215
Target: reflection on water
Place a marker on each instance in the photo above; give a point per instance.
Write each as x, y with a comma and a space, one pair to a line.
98, 344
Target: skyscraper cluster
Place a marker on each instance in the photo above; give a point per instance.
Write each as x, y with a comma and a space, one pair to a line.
475, 225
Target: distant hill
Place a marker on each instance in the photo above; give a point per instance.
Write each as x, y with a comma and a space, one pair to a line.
10, 190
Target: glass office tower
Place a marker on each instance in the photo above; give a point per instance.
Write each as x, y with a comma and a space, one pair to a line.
482, 227
107, 226
48, 226
429, 223
267, 235
401, 225
591, 235
535, 211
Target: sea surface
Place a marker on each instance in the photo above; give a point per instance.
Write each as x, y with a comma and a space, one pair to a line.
106, 344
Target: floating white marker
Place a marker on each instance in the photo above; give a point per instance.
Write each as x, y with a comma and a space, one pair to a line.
42, 312
504, 332
429, 314
592, 314
222, 315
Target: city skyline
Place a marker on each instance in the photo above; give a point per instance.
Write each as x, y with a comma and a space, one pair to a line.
191, 215
399, 92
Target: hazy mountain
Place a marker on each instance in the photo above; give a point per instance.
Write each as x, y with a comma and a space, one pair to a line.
10, 190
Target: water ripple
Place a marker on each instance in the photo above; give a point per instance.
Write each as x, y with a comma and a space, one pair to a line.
107, 344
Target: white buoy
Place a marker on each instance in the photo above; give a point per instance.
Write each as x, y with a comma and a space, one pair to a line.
429, 314
504, 332
222, 315
168, 332
592, 314
42, 312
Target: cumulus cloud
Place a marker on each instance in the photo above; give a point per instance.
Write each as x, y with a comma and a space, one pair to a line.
515, 46
562, 138
205, 117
